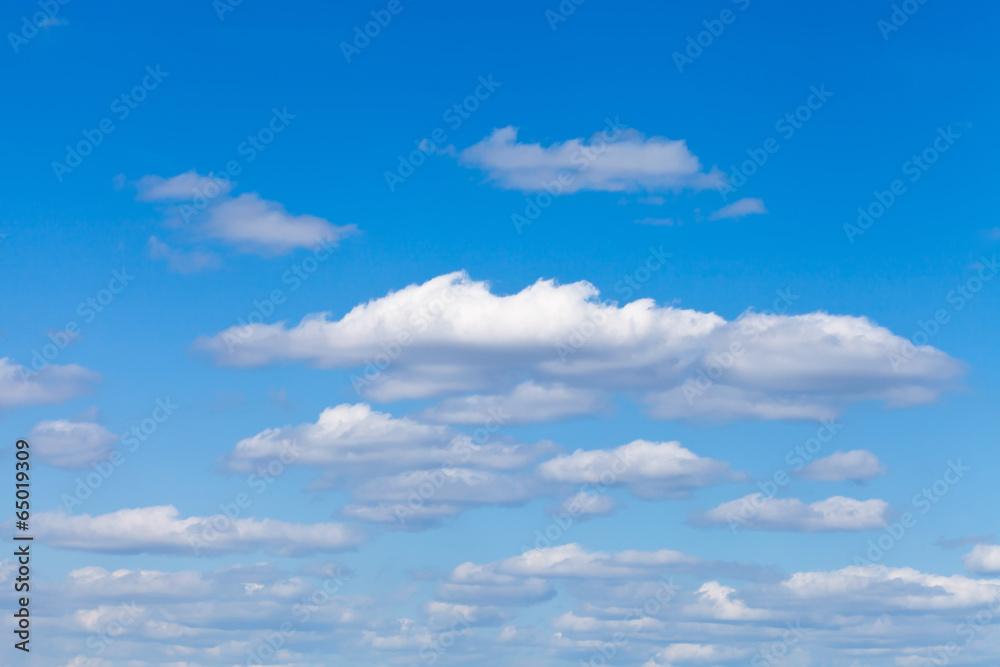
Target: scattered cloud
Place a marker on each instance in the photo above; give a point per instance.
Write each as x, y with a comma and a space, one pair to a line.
857, 464
836, 513
613, 161
264, 227
648, 469
583, 506
71, 445
187, 187
739, 209
247, 222
20, 386
180, 261
160, 530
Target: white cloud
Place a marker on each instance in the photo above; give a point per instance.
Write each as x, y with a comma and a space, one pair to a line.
572, 560
687, 653
648, 469
186, 187
256, 225
72, 445
160, 530
585, 505
20, 386
836, 513
718, 602
739, 209
247, 222
857, 464
884, 588
352, 439
460, 338
399, 471
528, 402
180, 261
614, 160
983, 559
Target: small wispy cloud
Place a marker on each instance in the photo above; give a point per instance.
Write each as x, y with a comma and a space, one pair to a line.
739, 209
180, 261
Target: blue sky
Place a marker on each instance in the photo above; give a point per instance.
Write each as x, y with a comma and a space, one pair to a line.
618, 277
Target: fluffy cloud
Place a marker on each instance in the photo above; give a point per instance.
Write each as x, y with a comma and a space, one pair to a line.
402, 472
739, 209
718, 602
756, 512
614, 160
648, 469
983, 559
20, 386
885, 588
353, 440
399, 471
451, 335
72, 445
160, 530
247, 222
857, 464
